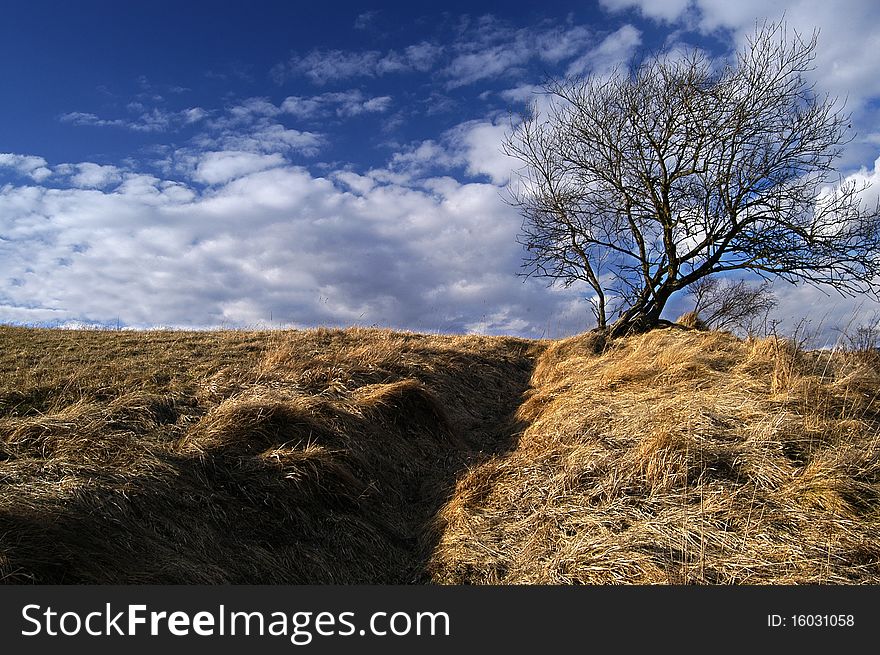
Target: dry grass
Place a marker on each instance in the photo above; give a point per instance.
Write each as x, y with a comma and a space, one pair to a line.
371, 456
235, 457
678, 457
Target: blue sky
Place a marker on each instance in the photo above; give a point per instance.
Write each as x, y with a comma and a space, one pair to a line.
289, 164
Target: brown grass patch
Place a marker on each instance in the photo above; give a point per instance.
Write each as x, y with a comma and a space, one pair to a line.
372, 456
678, 457
286, 457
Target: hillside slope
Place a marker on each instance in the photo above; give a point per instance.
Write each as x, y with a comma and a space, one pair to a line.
679, 457
235, 457
370, 456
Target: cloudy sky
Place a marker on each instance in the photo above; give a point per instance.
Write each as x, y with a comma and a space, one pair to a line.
202, 164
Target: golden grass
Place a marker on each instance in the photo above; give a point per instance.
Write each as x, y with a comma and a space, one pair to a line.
678, 457
372, 456
236, 457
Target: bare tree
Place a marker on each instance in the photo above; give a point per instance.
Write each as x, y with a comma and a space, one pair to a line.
726, 304
862, 339
642, 182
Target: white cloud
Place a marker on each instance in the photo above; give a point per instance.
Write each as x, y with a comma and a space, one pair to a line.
555, 44
305, 106
615, 50
359, 184
29, 165
250, 110
415, 160
666, 10
193, 115
523, 93
422, 56
404, 250
249, 126
849, 37
220, 167
481, 49
849, 33
713, 15
431, 254
491, 49
86, 118
869, 181
473, 146
491, 62
377, 104
88, 175
244, 138
344, 104
156, 119
324, 66
365, 19
845, 63
268, 138
480, 143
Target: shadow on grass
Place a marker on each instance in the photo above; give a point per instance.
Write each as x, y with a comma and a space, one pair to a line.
279, 489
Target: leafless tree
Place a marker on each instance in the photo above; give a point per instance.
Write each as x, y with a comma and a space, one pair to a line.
641, 182
863, 339
726, 304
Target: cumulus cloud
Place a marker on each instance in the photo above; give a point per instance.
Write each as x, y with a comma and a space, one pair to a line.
308, 250
667, 11
251, 125
245, 137
266, 138
220, 167
250, 110
474, 147
233, 231
849, 33
416, 159
88, 175
868, 181
479, 143
28, 165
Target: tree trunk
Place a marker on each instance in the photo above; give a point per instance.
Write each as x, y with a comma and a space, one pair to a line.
641, 317
599, 307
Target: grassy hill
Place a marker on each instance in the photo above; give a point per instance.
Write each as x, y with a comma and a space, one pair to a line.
371, 456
